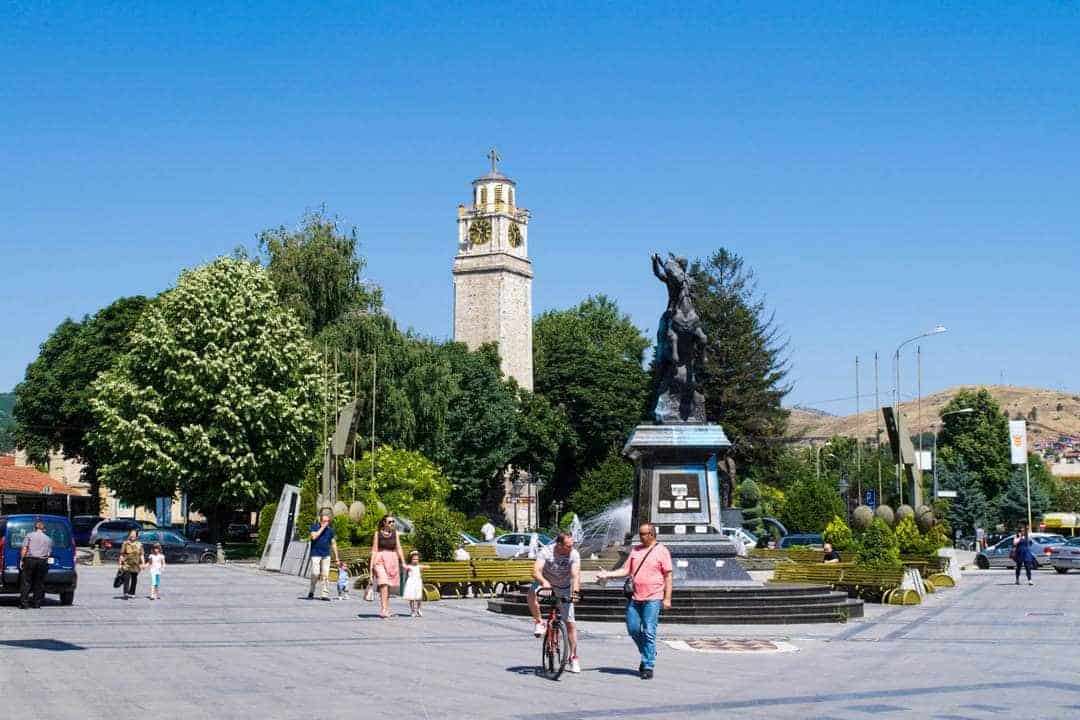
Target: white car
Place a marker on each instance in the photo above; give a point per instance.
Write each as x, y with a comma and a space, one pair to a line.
748, 539
513, 545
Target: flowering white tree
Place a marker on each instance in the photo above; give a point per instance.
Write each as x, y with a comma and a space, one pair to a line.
218, 395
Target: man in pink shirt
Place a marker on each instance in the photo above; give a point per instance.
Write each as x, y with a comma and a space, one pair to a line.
649, 565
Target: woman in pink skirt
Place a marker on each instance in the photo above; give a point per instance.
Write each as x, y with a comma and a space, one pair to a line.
386, 561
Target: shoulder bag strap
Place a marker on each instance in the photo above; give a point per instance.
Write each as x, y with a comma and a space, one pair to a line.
643, 560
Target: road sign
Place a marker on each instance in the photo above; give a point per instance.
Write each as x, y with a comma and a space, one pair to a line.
870, 498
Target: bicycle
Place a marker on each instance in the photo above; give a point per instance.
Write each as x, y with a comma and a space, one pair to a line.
555, 652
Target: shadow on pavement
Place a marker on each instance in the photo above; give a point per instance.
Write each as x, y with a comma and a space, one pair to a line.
42, 644
617, 671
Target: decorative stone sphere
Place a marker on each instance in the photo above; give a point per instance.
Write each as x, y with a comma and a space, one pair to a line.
904, 511
380, 509
924, 517
885, 513
340, 508
862, 517
356, 511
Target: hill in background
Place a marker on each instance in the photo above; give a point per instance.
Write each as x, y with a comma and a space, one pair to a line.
1056, 413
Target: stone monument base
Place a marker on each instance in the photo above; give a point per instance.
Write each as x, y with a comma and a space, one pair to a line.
678, 492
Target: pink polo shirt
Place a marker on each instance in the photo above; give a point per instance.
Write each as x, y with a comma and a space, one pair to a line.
649, 577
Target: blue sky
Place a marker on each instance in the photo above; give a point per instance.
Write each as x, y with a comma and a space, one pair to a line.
884, 167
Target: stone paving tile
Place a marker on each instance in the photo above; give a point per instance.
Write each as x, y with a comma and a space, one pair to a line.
231, 642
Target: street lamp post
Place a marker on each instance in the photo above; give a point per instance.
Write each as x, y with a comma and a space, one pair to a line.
961, 411
817, 462
896, 396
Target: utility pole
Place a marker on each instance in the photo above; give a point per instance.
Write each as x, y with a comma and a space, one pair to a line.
877, 435
858, 433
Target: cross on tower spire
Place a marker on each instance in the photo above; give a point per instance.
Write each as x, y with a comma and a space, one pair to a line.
494, 156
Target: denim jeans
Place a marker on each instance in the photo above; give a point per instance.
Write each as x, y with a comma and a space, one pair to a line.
641, 619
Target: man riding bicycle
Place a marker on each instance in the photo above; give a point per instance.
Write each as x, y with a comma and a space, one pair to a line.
558, 567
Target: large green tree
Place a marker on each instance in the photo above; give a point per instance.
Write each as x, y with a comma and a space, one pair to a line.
588, 360
744, 369
317, 270
979, 438
52, 408
1012, 505
970, 508
218, 395
7, 422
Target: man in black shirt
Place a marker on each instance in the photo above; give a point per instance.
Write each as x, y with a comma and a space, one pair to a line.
831, 556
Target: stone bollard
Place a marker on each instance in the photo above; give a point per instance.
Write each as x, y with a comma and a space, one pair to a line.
96, 557
220, 553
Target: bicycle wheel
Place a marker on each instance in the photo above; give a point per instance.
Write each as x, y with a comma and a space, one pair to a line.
556, 652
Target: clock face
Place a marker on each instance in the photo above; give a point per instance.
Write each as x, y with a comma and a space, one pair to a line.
515, 235
480, 232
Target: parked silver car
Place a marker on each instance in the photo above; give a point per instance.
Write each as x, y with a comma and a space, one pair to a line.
513, 545
1066, 556
998, 555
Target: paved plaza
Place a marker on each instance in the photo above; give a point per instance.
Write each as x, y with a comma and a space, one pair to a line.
232, 642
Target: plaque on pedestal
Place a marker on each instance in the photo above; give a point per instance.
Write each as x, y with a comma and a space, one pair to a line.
678, 491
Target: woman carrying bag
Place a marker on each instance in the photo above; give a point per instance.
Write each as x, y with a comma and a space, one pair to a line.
130, 563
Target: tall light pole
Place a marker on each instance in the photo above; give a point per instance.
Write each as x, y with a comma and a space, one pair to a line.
896, 394
961, 411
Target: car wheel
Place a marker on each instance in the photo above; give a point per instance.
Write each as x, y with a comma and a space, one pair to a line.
981, 562
67, 598
1061, 570
208, 558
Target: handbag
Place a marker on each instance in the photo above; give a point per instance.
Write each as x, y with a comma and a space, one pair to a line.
119, 579
628, 584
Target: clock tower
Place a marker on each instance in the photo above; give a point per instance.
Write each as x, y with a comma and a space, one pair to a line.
493, 274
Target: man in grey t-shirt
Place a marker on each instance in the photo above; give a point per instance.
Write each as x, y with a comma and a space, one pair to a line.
558, 567
34, 565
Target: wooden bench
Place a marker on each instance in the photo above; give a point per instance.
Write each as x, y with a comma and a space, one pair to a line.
445, 578
482, 552
867, 583
495, 578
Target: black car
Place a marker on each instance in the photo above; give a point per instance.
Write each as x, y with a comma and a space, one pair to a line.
238, 532
176, 547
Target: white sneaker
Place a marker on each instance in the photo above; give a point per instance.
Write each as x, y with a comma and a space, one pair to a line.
539, 629
575, 665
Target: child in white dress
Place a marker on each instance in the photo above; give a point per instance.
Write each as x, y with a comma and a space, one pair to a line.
414, 584
157, 565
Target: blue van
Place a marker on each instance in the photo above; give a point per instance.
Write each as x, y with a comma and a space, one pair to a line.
62, 576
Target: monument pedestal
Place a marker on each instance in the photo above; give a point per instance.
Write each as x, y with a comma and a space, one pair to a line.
677, 489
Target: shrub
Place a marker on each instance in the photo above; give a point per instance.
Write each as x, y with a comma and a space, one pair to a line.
838, 534
809, 505
907, 536
342, 529
749, 494
565, 520
877, 548
403, 478
436, 531
266, 519
612, 480
933, 539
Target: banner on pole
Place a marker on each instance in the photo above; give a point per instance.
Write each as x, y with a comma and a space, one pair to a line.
1018, 445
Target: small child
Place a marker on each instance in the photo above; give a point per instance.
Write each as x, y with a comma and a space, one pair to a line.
343, 582
414, 584
157, 565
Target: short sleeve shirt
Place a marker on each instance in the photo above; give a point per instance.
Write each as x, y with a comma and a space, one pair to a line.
38, 545
649, 572
557, 568
321, 547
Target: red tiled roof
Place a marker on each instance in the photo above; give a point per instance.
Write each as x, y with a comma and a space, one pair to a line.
28, 480
7, 460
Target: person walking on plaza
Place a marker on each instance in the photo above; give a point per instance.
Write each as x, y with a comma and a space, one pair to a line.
34, 565
414, 584
157, 565
649, 566
1022, 554
131, 562
558, 568
386, 561
322, 542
